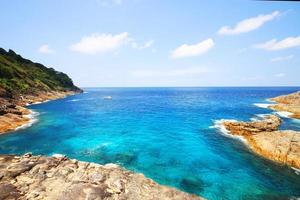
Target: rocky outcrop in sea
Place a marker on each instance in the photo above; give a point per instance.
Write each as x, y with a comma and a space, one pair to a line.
288, 103
262, 136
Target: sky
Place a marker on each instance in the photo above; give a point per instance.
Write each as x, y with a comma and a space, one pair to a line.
145, 43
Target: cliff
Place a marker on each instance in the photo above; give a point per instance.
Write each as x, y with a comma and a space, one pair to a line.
37, 177
24, 82
22, 76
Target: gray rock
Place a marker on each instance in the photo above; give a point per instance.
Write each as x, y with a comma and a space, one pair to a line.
37, 177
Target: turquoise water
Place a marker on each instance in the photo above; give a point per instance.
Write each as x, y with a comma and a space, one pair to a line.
165, 133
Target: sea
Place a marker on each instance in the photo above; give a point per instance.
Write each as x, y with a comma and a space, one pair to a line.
171, 135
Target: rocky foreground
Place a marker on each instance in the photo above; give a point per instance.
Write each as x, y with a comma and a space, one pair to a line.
289, 103
37, 177
264, 138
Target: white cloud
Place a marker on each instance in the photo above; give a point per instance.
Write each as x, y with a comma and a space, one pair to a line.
143, 46
186, 50
248, 25
279, 75
283, 58
46, 49
100, 43
274, 45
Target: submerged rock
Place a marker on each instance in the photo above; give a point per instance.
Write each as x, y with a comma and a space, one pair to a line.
38, 177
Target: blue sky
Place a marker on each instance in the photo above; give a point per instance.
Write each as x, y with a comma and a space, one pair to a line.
158, 43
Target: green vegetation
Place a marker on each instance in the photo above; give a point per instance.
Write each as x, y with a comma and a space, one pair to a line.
21, 76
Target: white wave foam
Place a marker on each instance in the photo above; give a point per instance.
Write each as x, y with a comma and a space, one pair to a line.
259, 117
254, 119
74, 100
284, 114
57, 155
218, 124
38, 102
263, 105
32, 119
297, 171
262, 115
270, 100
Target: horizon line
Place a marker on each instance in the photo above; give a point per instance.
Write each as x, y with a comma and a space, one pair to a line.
187, 86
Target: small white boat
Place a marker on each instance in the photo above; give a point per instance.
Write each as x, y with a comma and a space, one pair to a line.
107, 97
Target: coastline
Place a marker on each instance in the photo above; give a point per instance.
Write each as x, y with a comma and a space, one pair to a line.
22, 117
264, 139
57, 177
262, 136
290, 104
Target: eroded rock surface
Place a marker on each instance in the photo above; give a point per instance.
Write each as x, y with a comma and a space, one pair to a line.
288, 103
268, 123
264, 139
37, 177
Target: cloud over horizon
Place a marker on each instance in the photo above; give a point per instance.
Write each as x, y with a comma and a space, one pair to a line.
274, 45
279, 75
282, 58
248, 25
192, 50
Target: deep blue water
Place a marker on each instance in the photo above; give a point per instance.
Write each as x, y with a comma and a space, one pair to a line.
166, 134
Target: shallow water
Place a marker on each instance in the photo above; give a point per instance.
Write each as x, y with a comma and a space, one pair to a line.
165, 133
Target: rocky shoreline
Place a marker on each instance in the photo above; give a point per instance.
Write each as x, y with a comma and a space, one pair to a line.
39, 177
263, 137
288, 103
14, 113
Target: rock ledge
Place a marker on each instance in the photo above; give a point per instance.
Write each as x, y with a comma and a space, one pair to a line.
288, 103
38, 177
263, 138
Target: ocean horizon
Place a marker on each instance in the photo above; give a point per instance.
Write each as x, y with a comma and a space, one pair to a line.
170, 134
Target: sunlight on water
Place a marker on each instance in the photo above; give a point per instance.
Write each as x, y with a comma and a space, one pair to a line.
166, 133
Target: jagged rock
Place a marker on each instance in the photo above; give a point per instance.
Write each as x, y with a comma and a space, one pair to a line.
38, 177
289, 103
264, 139
269, 123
